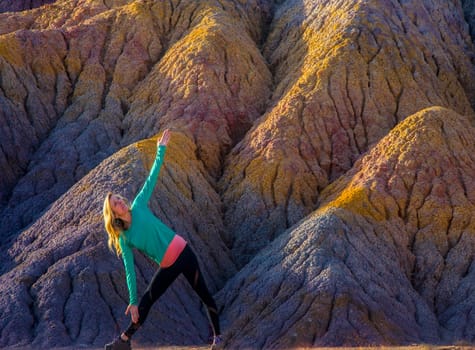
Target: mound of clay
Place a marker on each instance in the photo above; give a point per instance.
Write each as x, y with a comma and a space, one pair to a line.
386, 259
346, 73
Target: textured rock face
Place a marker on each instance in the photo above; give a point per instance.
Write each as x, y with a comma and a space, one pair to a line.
426, 187
321, 165
346, 72
387, 258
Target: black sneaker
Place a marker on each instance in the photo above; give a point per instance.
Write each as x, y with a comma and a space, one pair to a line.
118, 344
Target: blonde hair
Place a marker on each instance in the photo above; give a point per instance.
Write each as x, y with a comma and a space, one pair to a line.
113, 230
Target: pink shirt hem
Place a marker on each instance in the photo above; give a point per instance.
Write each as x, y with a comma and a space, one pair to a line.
173, 251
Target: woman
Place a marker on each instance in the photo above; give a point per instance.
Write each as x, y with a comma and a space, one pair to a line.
135, 226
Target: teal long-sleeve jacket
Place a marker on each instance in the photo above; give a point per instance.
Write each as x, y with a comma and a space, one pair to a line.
146, 232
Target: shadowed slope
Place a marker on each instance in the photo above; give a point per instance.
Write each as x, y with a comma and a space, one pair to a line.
469, 11
387, 259
21, 5
69, 289
346, 72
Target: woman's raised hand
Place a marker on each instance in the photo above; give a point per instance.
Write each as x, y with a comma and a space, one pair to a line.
163, 141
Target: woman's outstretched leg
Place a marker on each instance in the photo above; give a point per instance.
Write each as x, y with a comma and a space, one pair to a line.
160, 282
194, 276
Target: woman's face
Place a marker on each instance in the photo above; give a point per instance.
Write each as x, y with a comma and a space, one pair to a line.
118, 205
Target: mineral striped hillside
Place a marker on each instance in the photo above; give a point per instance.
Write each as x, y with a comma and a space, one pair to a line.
321, 164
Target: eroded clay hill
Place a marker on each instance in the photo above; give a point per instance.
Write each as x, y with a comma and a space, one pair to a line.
321, 165
346, 72
386, 259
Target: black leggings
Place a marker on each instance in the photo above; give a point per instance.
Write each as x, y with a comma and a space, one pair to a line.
187, 263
